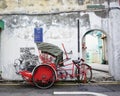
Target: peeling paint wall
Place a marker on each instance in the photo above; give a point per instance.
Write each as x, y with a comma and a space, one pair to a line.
37, 6
19, 32
114, 31
57, 29
45, 6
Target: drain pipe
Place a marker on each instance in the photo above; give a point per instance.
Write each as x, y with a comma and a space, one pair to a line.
78, 25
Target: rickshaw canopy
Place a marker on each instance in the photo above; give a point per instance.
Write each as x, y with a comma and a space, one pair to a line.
51, 49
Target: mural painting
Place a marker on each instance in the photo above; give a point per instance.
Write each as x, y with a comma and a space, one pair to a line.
27, 61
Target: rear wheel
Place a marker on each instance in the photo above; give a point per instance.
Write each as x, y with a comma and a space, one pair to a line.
84, 73
44, 76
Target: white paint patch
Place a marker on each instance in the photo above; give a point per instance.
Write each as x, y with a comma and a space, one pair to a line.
79, 93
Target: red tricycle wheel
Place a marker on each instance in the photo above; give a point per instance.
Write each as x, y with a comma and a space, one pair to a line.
44, 76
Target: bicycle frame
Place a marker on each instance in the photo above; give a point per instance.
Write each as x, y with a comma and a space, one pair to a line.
62, 71
72, 74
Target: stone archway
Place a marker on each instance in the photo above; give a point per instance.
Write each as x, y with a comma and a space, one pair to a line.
101, 68
98, 55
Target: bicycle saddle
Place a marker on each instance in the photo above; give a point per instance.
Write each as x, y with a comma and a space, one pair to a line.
76, 61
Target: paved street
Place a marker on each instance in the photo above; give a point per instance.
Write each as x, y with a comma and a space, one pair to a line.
75, 89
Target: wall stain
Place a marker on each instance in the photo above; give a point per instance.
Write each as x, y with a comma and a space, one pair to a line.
3, 4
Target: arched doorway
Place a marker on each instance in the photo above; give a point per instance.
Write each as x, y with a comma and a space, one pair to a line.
94, 47
94, 51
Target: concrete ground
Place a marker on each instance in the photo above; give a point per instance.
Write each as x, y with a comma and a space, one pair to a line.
101, 73
62, 90
100, 67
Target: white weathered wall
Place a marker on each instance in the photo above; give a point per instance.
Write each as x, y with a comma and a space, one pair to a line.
41, 6
59, 28
115, 33
19, 32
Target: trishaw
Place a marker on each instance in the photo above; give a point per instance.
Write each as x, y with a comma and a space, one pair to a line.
49, 67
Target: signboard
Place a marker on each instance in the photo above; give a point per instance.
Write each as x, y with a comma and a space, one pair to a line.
38, 35
95, 7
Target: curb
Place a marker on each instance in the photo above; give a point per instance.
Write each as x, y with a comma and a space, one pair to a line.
100, 70
60, 83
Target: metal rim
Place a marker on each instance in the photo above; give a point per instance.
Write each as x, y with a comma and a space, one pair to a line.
44, 76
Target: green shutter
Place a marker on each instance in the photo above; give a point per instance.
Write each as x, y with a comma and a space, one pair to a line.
2, 24
95, 7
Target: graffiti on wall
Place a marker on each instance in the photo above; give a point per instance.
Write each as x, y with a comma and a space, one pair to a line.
27, 60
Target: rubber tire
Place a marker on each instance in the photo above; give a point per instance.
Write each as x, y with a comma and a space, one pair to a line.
44, 70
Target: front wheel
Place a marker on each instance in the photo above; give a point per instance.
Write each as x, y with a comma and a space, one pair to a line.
44, 76
84, 73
